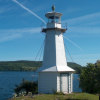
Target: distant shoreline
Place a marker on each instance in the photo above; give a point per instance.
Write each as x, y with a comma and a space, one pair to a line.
24, 65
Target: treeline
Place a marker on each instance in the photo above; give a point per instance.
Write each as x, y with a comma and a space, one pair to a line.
19, 65
30, 66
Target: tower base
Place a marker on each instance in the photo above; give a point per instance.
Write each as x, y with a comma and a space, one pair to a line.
51, 82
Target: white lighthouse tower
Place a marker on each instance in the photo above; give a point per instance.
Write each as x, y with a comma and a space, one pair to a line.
54, 75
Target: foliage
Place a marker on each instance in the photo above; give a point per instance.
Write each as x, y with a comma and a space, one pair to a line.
26, 87
90, 78
74, 96
29, 66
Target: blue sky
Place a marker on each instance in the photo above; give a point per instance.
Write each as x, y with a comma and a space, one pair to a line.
20, 31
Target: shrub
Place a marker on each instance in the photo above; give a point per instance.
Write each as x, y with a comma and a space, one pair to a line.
25, 87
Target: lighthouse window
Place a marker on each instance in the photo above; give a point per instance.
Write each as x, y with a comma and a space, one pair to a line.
57, 20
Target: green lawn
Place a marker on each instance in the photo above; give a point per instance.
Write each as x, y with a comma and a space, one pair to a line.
74, 96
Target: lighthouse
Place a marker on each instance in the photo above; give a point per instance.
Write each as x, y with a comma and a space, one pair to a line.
54, 75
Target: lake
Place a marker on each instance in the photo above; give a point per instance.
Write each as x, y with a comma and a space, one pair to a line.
9, 79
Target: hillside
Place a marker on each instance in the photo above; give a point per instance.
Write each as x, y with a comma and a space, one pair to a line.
75, 66
29, 65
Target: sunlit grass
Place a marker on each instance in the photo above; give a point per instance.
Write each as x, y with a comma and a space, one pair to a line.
74, 96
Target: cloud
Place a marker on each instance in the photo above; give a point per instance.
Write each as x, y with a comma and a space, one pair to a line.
4, 9
83, 59
7, 38
84, 25
85, 30
71, 10
33, 13
84, 18
87, 25
11, 34
73, 43
17, 58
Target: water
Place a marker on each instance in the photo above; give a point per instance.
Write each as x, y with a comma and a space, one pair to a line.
8, 80
76, 83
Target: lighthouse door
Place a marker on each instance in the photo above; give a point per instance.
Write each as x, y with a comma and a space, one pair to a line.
64, 83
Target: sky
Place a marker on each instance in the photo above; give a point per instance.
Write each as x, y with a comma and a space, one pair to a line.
20, 29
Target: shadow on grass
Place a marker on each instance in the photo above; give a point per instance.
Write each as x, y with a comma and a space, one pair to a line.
76, 99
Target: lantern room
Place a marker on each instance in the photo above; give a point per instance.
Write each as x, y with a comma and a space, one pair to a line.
54, 19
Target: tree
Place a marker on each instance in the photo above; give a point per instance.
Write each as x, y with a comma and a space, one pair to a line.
90, 78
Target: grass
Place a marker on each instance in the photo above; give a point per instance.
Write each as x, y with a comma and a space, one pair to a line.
74, 96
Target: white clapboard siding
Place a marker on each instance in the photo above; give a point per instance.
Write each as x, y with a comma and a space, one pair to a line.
47, 82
